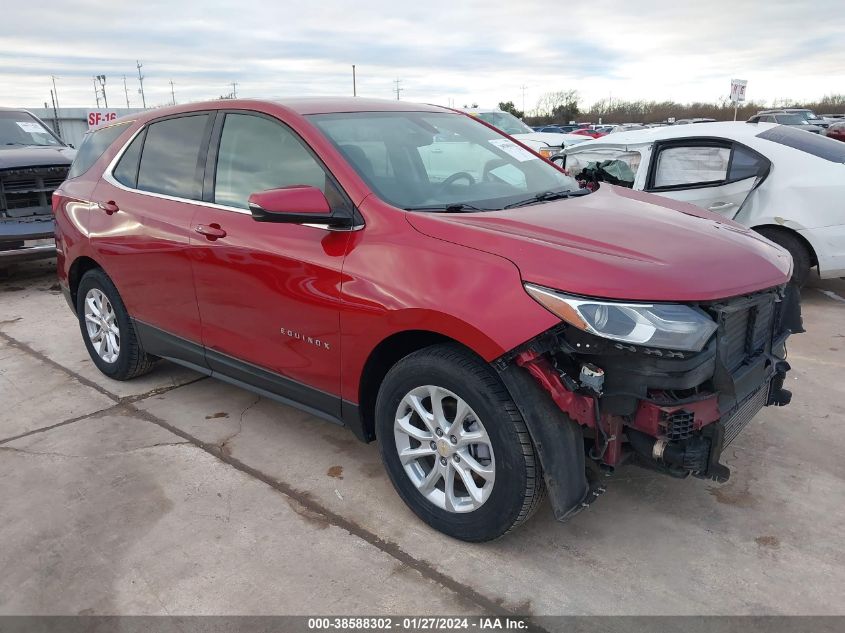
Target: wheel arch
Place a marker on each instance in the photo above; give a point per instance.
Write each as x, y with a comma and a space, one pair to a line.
78, 268
385, 355
814, 260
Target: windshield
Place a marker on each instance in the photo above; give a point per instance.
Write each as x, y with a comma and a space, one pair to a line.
789, 119
807, 115
22, 129
432, 160
504, 121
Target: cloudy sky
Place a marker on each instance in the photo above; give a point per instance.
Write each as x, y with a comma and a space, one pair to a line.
452, 52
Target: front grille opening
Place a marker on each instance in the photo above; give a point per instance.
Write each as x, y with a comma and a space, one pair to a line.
28, 192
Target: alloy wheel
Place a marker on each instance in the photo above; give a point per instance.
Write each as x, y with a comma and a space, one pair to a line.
444, 449
101, 325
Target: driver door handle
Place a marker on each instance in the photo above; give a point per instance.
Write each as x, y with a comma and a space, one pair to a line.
211, 231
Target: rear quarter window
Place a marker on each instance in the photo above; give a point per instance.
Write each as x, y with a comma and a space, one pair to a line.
815, 144
93, 146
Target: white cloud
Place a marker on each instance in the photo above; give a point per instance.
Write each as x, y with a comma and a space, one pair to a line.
459, 51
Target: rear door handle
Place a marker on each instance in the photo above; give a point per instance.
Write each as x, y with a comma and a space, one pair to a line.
109, 207
211, 231
721, 206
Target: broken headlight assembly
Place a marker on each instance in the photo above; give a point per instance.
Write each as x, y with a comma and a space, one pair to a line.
661, 325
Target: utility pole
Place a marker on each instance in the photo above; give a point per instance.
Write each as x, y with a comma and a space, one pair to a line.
397, 88
96, 93
141, 81
523, 88
56, 106
102, 80
354, 87
55, 115
126, 91
234, 90
172, 92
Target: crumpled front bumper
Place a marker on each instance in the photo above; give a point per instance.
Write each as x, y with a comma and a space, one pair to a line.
670, 411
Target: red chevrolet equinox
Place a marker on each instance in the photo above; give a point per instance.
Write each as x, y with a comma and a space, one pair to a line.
413, 274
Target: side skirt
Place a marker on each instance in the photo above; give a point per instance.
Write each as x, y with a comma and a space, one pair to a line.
250, 377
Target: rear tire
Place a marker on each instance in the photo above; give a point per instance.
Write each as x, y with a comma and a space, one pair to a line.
802, 260
107, 330
486, 446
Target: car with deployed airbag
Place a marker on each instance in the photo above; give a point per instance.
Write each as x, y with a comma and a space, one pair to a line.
414, 274
782, 182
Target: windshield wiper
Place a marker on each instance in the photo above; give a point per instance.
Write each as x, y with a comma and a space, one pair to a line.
459, 207
548, 195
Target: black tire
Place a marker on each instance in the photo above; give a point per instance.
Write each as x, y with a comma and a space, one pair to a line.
518, 486
131, 359
802, 260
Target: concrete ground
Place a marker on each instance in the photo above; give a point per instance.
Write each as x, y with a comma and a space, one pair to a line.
178, 494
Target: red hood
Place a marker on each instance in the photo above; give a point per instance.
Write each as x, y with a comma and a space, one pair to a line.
620, 244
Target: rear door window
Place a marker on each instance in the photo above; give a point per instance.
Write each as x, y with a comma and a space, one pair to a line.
93, 146
691, 165
170, 158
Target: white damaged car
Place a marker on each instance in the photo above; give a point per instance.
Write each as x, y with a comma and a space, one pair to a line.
785, 183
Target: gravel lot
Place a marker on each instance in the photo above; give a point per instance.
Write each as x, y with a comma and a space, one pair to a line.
178, 494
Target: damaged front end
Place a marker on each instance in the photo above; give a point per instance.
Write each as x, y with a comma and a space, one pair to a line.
670, 410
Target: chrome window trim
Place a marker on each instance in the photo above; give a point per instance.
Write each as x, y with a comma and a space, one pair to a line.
109, 178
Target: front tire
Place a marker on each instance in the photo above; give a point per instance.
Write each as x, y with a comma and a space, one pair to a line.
455, 446
107, 330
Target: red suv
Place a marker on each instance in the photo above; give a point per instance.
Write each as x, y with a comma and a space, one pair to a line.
412, 273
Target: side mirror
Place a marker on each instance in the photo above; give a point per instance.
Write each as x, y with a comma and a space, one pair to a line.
298, 204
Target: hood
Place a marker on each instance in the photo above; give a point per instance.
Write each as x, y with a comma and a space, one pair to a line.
14, 157
553, 139
620, 244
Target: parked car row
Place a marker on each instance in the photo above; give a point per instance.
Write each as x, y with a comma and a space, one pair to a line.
416, 275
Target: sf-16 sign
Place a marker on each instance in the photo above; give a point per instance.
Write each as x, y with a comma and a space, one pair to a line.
98, 117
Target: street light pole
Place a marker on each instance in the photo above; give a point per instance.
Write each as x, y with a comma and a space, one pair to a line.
126, 91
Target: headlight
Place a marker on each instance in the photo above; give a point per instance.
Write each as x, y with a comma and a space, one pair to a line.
547, 152
665, 325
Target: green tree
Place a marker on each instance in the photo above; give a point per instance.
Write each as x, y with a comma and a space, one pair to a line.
508, 106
